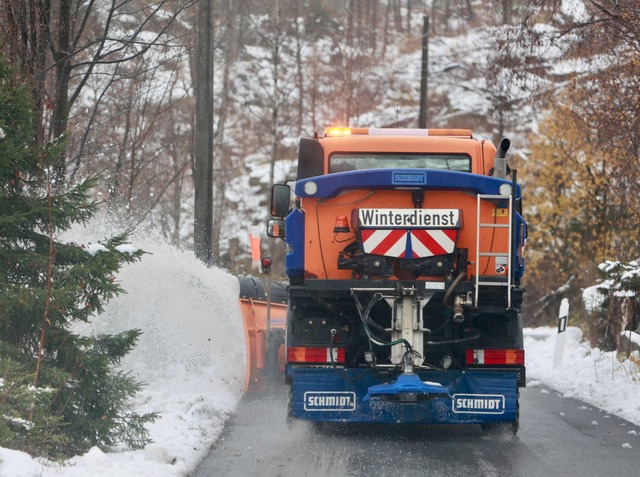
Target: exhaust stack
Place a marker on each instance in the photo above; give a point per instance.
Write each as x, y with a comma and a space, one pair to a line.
500, 164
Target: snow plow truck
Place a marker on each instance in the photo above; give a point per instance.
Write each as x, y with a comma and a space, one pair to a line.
404, 261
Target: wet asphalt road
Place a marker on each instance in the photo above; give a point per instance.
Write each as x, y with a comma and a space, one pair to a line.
558, 437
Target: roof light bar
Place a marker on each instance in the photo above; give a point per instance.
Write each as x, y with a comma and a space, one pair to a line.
345, 132
337, 132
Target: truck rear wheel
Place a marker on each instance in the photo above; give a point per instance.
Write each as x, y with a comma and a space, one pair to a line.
504, 427
501, 427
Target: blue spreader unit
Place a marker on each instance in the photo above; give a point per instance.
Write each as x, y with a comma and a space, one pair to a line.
442, 397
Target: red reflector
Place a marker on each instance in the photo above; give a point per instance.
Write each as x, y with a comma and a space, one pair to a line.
303, 354
495, 356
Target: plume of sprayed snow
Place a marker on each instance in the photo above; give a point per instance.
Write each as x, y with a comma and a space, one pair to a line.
191, 357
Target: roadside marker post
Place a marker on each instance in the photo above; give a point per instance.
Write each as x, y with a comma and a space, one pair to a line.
563, 318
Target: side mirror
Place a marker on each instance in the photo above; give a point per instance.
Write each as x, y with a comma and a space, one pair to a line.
276, 228
280, 200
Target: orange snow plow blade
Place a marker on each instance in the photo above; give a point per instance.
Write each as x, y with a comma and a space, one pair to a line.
263, 329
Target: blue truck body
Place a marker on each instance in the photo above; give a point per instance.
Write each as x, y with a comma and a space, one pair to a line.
474, 397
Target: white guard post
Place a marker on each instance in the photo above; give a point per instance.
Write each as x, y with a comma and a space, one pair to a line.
563, 317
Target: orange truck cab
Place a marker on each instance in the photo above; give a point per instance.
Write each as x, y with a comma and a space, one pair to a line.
404, 259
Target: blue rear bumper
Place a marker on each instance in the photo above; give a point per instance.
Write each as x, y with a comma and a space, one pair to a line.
449, 397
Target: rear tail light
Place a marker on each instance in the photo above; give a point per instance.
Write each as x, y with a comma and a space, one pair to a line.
304, 354
495, 356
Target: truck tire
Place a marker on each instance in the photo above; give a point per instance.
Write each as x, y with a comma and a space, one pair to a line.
504, 427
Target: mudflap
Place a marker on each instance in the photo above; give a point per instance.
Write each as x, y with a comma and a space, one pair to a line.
448, 397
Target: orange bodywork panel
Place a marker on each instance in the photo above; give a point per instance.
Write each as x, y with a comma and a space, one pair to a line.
323, 244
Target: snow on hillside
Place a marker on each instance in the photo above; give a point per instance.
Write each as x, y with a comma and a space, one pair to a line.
191, 356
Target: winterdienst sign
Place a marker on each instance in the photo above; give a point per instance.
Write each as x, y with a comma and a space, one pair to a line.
408, 218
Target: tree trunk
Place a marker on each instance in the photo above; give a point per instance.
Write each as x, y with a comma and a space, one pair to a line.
472, 14
373, 31
203, 170
447, 14
348, 64
114, 189
62, 62
299, 72
507, 6
26, 44
385, 35
424, 76
275, 108
222, 151
397, 14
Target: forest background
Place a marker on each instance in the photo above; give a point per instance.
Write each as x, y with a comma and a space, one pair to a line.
561, 78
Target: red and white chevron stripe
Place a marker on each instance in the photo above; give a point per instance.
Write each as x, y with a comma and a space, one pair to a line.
408, 243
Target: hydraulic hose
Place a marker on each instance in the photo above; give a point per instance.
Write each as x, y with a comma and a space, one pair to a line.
364, 317
449, 292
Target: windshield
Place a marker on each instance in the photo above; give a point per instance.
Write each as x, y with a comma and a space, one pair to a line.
341, 162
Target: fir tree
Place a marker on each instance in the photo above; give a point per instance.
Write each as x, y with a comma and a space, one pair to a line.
60, 393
